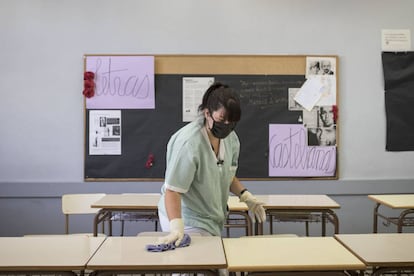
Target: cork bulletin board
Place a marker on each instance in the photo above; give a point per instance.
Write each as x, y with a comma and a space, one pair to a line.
275, 131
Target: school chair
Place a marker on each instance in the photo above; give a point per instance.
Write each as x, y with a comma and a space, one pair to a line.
79, 204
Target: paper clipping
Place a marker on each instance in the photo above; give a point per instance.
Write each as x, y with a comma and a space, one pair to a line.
193, 91
320, 87
105, 132
396, 40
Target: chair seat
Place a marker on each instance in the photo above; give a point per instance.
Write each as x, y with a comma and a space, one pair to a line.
79, 204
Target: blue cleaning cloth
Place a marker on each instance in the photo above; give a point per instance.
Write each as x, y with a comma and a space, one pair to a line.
168, 246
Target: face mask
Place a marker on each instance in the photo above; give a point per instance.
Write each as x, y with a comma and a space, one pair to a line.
221, 130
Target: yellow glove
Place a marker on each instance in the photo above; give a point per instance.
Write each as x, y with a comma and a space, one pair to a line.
255, 206
176, 233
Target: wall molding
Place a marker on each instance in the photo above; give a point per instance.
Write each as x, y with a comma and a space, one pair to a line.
330, 187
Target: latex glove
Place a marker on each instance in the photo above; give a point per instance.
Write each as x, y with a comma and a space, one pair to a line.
255, 206
176, 233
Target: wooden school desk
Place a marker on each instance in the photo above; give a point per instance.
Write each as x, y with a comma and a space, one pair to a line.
142, 204
238, 216
128, 255
292, 206
300, 254
147, 204
404, 202
383, 252
60, 254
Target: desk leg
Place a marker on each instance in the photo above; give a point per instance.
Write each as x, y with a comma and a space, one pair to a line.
100, 218
228, 229
323, 222
249, 223
401, 218
109, 215
270, 224
334, 219
336, 222
258, 228
95, 224
375, 226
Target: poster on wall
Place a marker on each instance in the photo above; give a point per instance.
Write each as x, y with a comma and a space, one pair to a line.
122, 82
291, 155
193, 91
105, 132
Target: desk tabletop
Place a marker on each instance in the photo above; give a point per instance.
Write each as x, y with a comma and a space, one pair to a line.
235, 205
385, 249
47, 253
288, 253
150, 202
297, 201
129, 253
128, 201
398, 201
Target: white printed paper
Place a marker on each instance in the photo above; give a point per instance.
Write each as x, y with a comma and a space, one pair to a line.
105, 132
396, 40
328, 91
310, 92
193, 91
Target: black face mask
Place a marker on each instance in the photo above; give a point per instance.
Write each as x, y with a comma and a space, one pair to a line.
221, 130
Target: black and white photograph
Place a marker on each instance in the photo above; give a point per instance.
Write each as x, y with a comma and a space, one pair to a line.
320, 66
292, 104
322, 136
310, 118
326, 116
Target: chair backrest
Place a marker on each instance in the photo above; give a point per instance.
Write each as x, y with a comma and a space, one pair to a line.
79, 204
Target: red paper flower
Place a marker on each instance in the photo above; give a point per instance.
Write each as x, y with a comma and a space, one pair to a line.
88, 84
88, 92
335, 112
150, 161
89, 75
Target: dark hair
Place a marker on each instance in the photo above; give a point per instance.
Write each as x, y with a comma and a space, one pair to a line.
220, 95
315, 64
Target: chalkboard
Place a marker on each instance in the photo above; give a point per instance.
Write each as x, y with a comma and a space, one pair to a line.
262, 83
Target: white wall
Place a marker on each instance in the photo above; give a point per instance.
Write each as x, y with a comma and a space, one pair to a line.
43, 43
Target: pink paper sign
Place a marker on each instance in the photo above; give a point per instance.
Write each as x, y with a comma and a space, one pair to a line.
290, 155
122, 82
